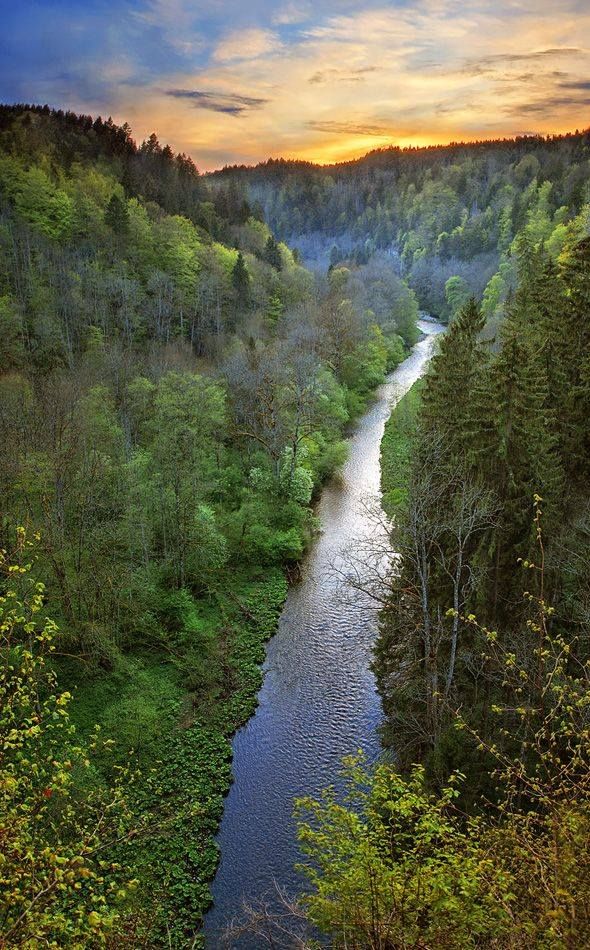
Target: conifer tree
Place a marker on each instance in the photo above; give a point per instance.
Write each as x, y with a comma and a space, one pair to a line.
575, 349
241, 282
275, 309
453, 374
272, 254
117, 215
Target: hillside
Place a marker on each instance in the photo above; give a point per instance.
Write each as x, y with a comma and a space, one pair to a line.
174, 388
435, 213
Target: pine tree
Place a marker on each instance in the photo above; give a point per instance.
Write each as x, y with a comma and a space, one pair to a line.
275, 309
575, 355
241, 282
116, 215
272, 254
452, 376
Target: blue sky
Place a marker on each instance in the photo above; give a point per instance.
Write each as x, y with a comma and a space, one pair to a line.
323, 80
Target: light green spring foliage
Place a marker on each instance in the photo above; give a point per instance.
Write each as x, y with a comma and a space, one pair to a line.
41, 203
395, 866
174, 389
58, 887
398, 864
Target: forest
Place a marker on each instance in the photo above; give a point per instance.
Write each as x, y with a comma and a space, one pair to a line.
474, 830
435, 214
477, 834
182, 358
175, 388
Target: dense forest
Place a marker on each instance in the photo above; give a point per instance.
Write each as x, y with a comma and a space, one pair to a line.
181, 358
435, 214
483, 659
175, 387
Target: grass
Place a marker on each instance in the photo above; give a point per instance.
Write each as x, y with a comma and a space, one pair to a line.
396, 449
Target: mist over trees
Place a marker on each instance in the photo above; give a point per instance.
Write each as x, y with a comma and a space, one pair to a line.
432, 213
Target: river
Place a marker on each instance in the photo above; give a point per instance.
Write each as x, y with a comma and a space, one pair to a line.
318, 701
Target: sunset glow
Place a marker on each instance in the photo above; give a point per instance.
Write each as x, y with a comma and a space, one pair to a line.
324, 81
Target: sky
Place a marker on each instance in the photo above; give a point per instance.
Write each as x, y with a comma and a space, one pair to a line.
323, 80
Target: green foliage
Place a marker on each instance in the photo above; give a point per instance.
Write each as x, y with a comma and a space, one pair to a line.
57, 884
401, 864
456, 294
46, 207
241, 281
167, 415
497, 425
116, 215
396, 867
449, 213
176, 387
12, 350
396, 449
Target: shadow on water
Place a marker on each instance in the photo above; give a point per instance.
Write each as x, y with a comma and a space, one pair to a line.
318, 702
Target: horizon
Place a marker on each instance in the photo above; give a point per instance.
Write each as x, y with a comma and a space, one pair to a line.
325, 83
434, 146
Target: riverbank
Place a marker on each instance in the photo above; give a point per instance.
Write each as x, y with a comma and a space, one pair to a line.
396, 446
318, 701
181, 738
192, 772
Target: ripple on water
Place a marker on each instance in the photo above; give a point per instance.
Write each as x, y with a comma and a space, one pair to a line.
318, 701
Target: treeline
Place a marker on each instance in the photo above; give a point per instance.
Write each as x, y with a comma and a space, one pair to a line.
174, 387
435, 214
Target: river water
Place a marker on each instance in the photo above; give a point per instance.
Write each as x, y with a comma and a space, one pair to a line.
318, 702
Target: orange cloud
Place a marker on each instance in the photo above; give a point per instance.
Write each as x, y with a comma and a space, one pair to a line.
433, 71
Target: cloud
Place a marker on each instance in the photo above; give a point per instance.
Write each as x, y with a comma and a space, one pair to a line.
291, 13
487, 63
321, 80
175, 20
583, 84
226, 103
347, 128
342, 75
547, 106
535, 54
247, 44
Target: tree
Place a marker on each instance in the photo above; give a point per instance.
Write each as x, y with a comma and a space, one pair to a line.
275, 309
400, 865
395, 868
453, 374
57, 884
457, 294
241, 282
272, 253
116, 215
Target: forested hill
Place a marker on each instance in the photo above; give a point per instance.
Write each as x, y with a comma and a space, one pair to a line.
174, 388
439, 213
483, 654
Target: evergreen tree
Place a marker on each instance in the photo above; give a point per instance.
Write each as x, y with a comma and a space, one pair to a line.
241, 282
575, 354
272, 254
116, 215
275, 309
452, 376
